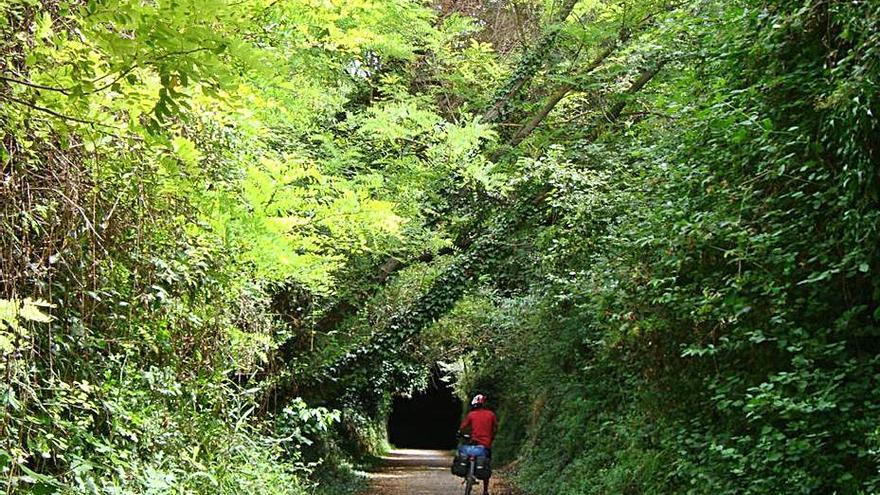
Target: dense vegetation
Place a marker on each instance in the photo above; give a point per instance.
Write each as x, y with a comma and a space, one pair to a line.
231, 231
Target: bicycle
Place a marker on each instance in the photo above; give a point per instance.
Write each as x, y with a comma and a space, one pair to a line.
471, 453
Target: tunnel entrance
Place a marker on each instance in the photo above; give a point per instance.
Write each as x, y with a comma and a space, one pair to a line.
427, 420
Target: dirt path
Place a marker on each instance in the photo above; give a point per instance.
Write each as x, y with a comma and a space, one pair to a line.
421, 472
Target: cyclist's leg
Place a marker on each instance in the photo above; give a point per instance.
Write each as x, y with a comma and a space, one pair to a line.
486, 481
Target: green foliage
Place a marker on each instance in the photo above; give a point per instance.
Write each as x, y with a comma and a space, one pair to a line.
694, 310
172, 173
212, 215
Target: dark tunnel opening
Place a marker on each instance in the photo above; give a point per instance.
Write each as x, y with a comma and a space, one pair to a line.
427, 420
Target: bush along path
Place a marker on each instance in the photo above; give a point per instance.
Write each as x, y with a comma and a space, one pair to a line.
231, 232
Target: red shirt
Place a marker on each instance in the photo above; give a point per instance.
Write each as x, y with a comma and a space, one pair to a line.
482, 423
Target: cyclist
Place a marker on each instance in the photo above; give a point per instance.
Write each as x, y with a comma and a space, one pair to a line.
483, 424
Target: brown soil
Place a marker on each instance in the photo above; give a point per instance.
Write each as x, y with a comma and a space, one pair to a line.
424, 472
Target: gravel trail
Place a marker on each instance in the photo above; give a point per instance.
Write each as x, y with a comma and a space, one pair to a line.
421, 472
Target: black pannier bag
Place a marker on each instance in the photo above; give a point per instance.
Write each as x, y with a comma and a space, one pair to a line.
460, 466
482, 468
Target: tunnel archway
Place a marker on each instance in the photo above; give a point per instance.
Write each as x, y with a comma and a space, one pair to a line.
428, 419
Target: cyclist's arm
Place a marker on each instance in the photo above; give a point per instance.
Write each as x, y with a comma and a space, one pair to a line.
466, 423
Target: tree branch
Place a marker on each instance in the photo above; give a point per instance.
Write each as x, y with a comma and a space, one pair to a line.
53, 112
529, 65
34, 85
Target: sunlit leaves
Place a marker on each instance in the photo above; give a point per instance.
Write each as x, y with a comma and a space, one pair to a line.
193, 160
15, 315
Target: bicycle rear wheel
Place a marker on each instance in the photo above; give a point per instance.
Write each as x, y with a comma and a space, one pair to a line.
470, 479
468, 485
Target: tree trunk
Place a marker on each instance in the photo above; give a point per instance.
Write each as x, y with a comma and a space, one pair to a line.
644, 78
539, 117
610, 46
530, 64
